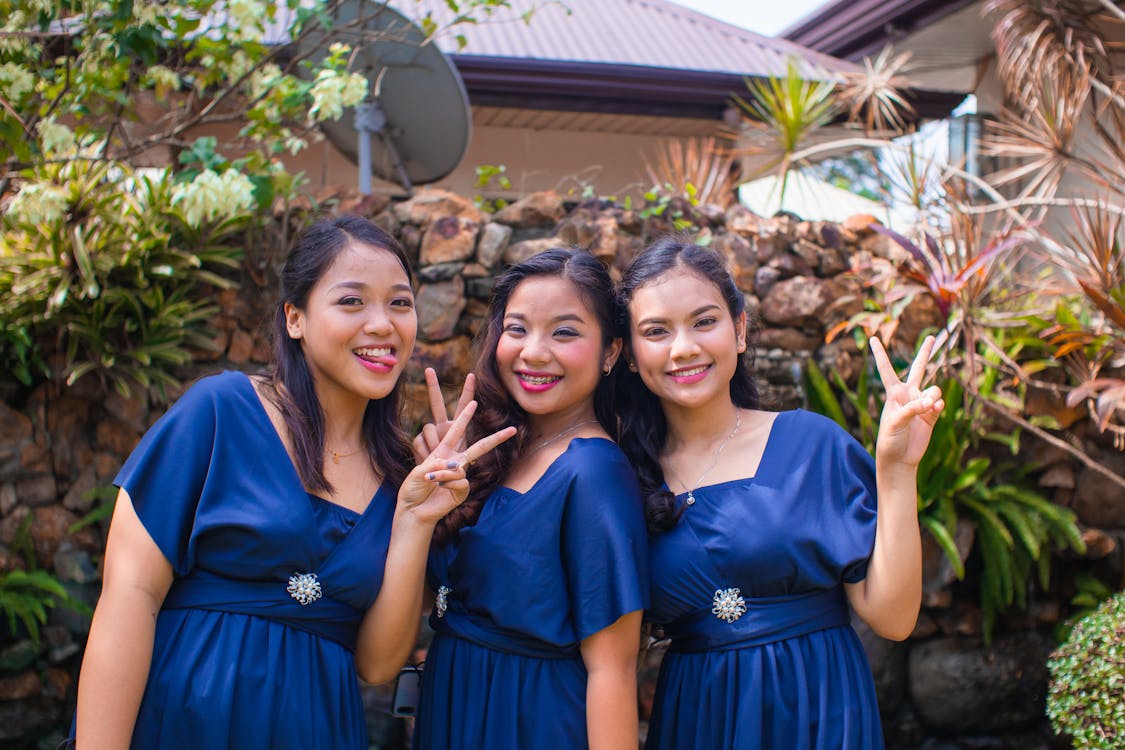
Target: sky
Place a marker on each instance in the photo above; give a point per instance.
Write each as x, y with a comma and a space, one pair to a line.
767, 17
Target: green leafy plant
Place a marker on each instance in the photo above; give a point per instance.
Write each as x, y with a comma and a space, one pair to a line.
115, 272
26, 595
1016, 528
1086, 696
487, 175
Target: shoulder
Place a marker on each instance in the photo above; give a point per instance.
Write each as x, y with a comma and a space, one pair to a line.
213, 391
809, 427
599, 465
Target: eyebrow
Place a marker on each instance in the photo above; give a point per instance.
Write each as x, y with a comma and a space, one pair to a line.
359, 285
556, 319
694, 313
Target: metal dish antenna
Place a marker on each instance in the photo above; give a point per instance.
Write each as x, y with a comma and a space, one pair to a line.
414, 126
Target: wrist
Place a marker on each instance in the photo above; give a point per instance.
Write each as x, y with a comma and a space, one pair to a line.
406, 521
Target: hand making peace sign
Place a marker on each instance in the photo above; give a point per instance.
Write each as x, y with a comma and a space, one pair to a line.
433, 432
437, 484
909, 412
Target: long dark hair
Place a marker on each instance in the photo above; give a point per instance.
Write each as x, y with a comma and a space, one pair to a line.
496, 408
293, 390
644, 429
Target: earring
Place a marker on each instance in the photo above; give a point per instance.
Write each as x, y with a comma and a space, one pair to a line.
606, 370
632, 366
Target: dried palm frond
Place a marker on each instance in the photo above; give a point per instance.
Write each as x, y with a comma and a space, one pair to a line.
1035, 38
702, 168
876, 93
1042, 137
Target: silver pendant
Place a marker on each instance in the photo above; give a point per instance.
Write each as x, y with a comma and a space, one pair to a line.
690, 498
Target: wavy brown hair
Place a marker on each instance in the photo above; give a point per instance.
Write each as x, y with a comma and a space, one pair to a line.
293, 390
496, 408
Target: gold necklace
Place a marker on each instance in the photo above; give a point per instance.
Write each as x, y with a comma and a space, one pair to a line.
718, 452
560, 435
337, 456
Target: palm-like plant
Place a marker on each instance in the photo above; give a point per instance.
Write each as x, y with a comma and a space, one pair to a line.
701, 169
874, 96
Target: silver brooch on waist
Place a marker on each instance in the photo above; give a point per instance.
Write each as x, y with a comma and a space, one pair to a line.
441, 602
728, 606
304, 587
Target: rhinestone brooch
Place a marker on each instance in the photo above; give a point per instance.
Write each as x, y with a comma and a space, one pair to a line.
728, 605
442, 600
304, 587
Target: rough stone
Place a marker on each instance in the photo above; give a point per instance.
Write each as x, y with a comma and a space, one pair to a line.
14, 426
18, 656
790, 264
542, 209
959, 685
439, 307
116, 436
882, 246
37, 489
789, 339
937, 571
478, 289
518, 252
796, 302
743, 221
106, 465
241, 346
921, 314
960, 619
440, 272
1098, 543
1059, 475
20, 686
450, 359
75, 565
34, 459
57, 681
925, 627
742, 260
808, 252
449, 239
492, 242
8, 498
1097, 501
1041, 402
605, 242
764, 280
860, 224
131, 411
48, 530
430, 203
262, 351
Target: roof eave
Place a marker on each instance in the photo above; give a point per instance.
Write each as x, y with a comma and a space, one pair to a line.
853, 29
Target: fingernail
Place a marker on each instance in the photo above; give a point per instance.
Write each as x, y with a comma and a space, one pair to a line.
451, 464
431, 475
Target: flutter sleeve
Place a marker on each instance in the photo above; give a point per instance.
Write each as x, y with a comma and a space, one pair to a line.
166, 474
854, 471
605, 544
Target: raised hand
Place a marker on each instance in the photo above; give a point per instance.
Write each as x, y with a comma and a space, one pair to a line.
432, 433
437, 484
909, 412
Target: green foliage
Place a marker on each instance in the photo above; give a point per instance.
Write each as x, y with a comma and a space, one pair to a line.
26, 595
487, 174
114, 277
666, 202
1016, 527
1086, 698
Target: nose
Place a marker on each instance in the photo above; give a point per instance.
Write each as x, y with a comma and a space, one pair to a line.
683, 345
535, 350
378, 322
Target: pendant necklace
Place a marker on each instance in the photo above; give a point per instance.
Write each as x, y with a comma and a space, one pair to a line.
337, 456
718, 452
560, 435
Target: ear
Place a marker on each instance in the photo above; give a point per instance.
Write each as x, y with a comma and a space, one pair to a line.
294, 321
740, 331
609, 357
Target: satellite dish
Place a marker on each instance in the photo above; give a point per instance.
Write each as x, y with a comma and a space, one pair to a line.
414, 126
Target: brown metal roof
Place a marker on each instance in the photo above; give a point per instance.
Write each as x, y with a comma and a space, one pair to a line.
641, 33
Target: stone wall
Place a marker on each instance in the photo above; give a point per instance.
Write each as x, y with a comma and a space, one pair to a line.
940, 689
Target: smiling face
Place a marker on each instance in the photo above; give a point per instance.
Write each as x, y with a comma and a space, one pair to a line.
685, 343
550, 356
358, 326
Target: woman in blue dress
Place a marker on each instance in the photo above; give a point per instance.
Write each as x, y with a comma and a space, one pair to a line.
764, 526
541, 575
269, 538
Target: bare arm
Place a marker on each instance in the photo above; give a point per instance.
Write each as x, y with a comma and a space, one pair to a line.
437, 485
610, 656
889, 598
135, 580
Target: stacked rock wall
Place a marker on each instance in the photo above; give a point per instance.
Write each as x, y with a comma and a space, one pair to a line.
940, 689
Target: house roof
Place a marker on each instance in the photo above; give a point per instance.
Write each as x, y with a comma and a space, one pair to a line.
853, 29
640, 57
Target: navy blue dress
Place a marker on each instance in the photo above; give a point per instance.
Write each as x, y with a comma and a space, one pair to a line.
518, 591
239, 661
749, 586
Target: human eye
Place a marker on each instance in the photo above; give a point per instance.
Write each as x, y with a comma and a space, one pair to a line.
706, 321
406, 303
653, 332
513, 329
566, 333
350, 300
